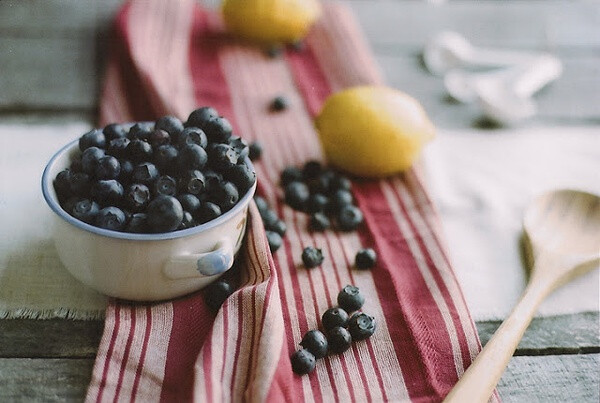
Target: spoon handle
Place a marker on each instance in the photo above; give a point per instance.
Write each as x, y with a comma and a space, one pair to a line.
478, 382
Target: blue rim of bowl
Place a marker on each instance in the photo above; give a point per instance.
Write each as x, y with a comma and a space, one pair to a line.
55, 206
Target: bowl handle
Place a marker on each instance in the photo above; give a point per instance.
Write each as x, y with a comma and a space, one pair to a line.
210, 263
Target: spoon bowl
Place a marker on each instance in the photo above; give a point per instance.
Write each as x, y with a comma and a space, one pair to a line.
562, 230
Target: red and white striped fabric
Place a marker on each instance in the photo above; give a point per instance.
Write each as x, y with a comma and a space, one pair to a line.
170, 57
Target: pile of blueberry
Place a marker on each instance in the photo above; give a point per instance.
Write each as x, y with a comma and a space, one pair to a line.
324, 194
341, 329
153, 177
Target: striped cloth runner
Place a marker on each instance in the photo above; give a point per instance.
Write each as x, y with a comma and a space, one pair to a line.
170, 57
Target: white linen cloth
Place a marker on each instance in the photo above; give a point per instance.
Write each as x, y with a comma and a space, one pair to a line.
482, 181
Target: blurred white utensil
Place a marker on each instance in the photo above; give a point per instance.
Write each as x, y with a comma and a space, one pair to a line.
449, 50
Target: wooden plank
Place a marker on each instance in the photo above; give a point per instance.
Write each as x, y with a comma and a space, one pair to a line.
555, 378
54, 338
568, 378
565, 334
547, 25
44, 380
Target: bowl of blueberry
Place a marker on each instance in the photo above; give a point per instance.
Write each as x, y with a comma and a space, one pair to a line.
151, 210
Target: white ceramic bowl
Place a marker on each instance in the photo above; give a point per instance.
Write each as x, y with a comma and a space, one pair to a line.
143, 267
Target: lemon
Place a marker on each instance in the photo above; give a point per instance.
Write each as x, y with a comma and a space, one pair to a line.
373, 131
270, 21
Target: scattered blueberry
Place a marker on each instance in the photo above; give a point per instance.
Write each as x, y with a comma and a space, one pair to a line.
290, 174
279, 227
303, 362
340, 182
261, 204
274, 240
361, 326
365, 258
349, 218
269, 217
317, 203
164, 214
315, 342
111, 218
274, 51
312, 169
334, 317
350, 298
216, 293
298, 46
255, 151
296, 195
279, 103
312, 257
339, 339
319, 222
339, 199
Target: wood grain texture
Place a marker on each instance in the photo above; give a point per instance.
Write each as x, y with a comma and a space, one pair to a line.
44, 380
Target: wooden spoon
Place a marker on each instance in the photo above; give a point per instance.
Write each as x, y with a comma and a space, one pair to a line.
562, 236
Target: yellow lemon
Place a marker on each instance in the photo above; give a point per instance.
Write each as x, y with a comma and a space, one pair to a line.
271, 21
373, 131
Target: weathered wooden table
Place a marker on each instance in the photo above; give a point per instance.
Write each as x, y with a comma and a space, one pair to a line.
51, 57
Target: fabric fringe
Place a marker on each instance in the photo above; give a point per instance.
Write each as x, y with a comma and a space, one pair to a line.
57, 313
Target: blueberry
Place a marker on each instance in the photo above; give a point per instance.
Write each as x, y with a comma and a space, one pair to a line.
269, 218
319, 222
303, 362
126, 171
225, 195
365, 258
76, 165
350, 298
140, 131
274, 51
315, 342
192, 135
212, 179
171, 125
93, 138
339, 339
200, 116
290, 174
164, 214
192, 156
216, 293
117, 147
137, 223
165, 185
340, 198
218, 129
317, 203
187, 221
114, 131
108, 167
138, 151
159, 137
296, 195
85, 210
279, 227
145, 173
334, 317
312, 169
255, 151
241, 176
80, 184
62, 184
69, 204
165, 158
107, 192
349, 218
340, 182
312, 257
222, 157
298, 45
279, 103
361, 326
321, 183
274, 240
193, 182
189, 202
111, 218
261, 204
240, 146
208, 211
90, 158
